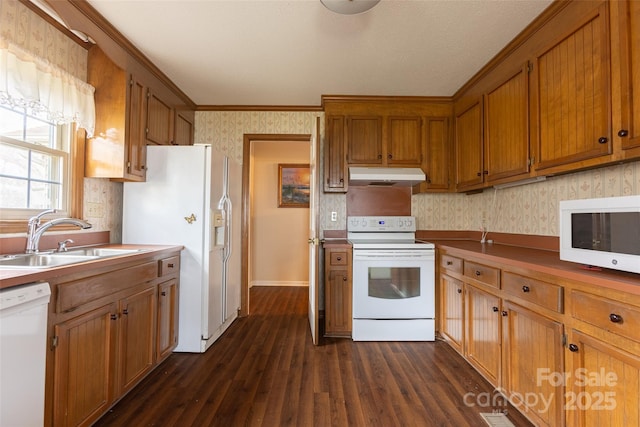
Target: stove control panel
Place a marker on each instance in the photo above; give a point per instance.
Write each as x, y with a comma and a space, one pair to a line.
385, 224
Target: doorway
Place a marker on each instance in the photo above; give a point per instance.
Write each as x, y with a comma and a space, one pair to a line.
251, 141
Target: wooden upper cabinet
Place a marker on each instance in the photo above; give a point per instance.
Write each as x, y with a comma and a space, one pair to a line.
506, 118
404, 146
625, 51
436, 156
335, 166
117, 150
468, 146
183, 127
571, 82
159, 130
364, 140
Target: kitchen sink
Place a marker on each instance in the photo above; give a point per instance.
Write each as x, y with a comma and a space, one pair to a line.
44, 260
98, 252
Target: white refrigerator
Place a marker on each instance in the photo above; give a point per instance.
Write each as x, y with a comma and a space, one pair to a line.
191, 198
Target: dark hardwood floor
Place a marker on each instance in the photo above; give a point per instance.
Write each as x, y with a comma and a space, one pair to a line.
264, 371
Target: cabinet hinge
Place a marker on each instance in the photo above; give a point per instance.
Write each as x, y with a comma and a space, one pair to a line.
531, 161
54, 341
130, 82
564, 340
529, 67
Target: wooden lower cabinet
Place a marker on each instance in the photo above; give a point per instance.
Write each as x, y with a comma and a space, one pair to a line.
602, 383
167, 337
483, 333
137, 337
452, 311
532, 359
338, 291
85, 361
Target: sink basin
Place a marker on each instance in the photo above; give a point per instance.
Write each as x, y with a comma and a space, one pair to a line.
47, 260
98, 252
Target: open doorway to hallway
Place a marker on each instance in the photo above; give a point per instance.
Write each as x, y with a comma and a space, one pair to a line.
277, 252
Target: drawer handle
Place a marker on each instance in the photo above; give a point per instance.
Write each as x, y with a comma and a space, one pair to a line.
478, 273
449, 262
525, 289
459, 291
170, 265
573, 348
339, 258
495, 309
615, 318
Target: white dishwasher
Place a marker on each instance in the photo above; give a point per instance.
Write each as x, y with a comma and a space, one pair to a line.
23, 353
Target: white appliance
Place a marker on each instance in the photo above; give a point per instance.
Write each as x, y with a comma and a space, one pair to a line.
601, 232
187, 200
393, 280
23, 353
386, 177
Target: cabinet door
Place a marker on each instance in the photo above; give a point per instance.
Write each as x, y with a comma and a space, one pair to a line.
533, 348
167, 337
436, 157
84, 367
572, 88
603, 383
136, 149
404, 141
338, 303
483, 333
335, 167
452, 311
468, 143
626, 51
364, 140
137, 338
183, 133
159, 130
506, 139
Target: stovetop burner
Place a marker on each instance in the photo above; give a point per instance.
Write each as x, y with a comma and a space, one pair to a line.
384, 232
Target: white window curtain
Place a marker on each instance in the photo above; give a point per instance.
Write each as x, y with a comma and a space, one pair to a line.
44, 89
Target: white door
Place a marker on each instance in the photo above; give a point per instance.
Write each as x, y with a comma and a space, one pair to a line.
314, 195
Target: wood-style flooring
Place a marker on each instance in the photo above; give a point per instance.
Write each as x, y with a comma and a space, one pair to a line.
265, 371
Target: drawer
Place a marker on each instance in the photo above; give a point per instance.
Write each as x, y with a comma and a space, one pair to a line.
73, 294
544, 294
613, 316
483, 273
338, 258
451, 263
168, 266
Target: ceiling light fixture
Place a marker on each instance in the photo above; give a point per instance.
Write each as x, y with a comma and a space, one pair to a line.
349, 7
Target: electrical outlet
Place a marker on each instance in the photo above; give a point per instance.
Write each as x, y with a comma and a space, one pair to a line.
334, 216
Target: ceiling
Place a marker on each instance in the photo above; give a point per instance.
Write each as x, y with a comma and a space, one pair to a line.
291, 52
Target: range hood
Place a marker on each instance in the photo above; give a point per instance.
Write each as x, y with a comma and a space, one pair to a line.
386, 177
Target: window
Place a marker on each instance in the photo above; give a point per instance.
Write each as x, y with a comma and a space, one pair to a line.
37, 169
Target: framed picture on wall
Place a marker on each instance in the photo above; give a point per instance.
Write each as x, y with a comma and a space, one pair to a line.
293, 185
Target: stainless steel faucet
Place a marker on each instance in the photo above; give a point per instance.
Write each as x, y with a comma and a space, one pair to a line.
35, 230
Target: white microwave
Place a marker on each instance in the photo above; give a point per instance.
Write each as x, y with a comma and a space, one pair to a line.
602, 232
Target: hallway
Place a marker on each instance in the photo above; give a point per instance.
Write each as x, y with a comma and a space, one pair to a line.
264, 371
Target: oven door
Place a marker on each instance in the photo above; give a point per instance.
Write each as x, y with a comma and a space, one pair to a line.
394, 284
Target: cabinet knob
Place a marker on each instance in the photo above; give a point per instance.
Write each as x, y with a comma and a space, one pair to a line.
525, 289
615, 318
603, 140
163, 293
573, 348
341, 180
504, 313
485, 172
449, 262
459, 291
379, 156
389, 156
125, 311
170, 265
623, 133
114, 317
339, 258
478, 273
495, 309
344, 278
479, 174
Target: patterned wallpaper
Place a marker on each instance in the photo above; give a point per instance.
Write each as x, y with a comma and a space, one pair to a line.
528, 209
102, 198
